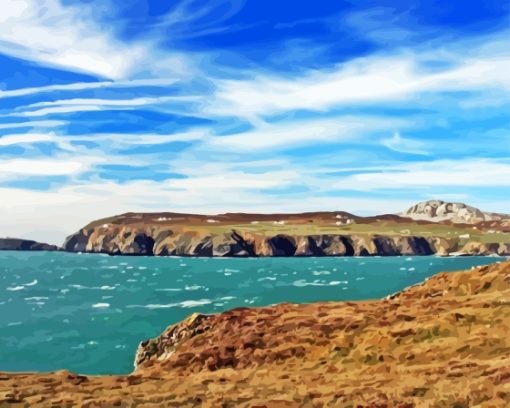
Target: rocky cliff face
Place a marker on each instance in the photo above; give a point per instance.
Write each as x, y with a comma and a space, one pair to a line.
140, 240
16, 244
307, 234
443, 343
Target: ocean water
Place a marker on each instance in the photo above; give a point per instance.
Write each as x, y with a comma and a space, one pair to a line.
88, 312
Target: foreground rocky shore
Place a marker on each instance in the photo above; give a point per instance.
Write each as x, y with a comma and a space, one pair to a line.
443, 343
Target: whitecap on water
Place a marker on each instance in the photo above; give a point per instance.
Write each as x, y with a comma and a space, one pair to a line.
33, 283
193, 287
169, 290
317, 273
194, 303
101, 305
15, 288
303, 283
183, 304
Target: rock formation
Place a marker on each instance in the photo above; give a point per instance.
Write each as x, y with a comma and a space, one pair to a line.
459, 213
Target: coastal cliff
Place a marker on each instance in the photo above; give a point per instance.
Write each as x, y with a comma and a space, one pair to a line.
308, 234
442, 343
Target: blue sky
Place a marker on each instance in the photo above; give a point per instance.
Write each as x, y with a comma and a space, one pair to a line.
229, 105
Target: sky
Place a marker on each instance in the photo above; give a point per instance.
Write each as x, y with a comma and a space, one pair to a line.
215, 106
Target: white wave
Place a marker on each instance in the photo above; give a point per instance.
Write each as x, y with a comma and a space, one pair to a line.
33, 283
228, 298
101, 305
193, 287
183, 304
14, 324
169, 290
37, 298
80, 287
303, 283
15, 288
269, 278
317, 273
194, 303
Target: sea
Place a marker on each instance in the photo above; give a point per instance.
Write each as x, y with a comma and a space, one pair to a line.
87, 313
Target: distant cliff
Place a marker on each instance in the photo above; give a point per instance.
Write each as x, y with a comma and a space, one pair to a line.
17, 244
263, 235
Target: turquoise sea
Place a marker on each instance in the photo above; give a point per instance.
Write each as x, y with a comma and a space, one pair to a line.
88, 312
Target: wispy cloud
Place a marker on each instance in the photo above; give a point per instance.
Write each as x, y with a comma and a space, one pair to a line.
378, 78
81, 86
299, 132
95, 104
403, 145
54, 34
433, 174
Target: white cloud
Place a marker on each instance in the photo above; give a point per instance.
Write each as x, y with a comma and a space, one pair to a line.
95, 104
378, 78
403, 145
80, 86
25, 139
40, 167
57, 110
64, 35
296, 133
438, 173
236, 181
33, 124
69, 36
35, 138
